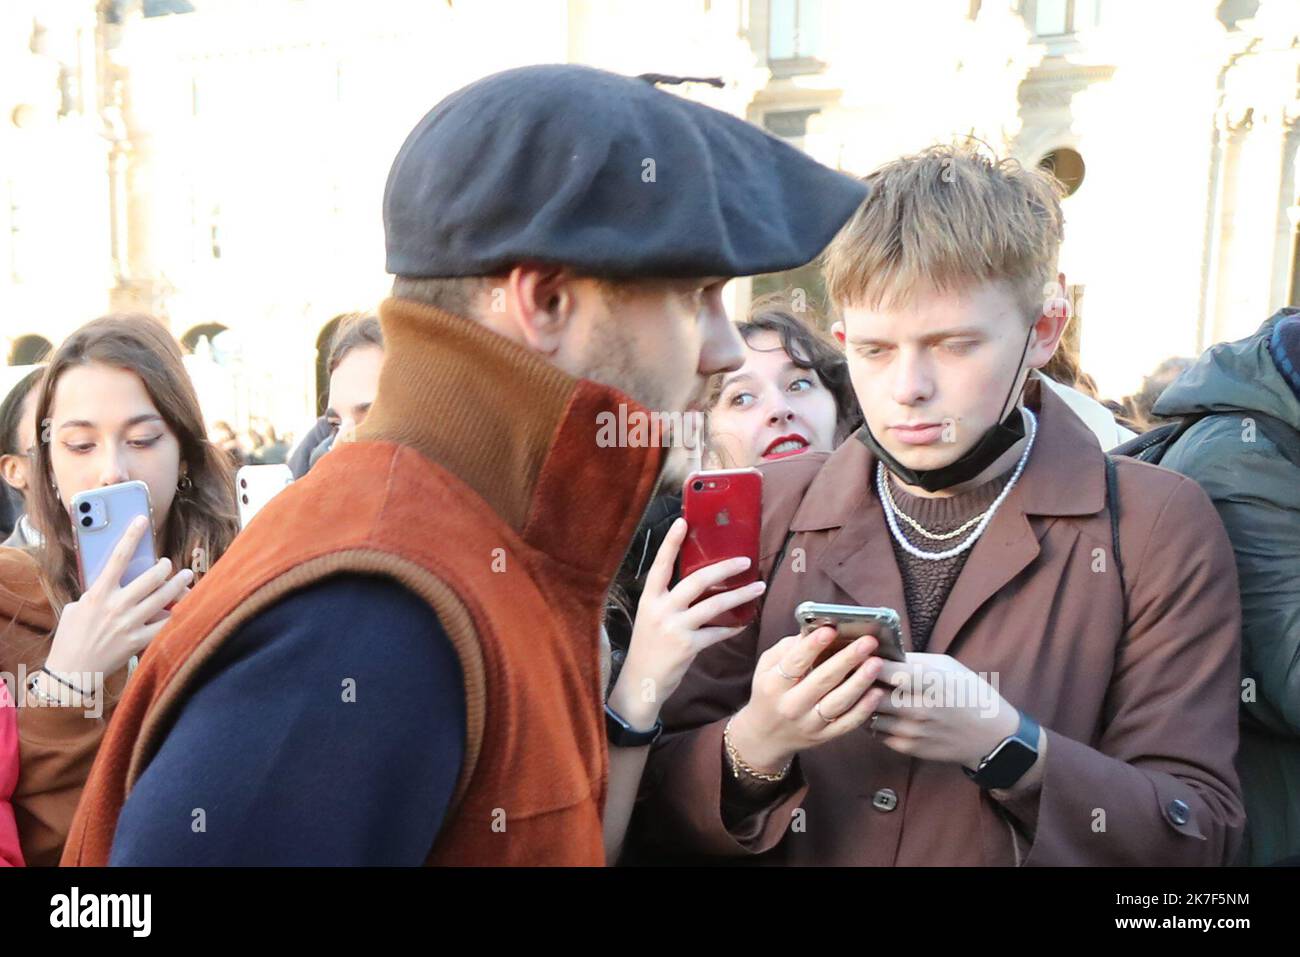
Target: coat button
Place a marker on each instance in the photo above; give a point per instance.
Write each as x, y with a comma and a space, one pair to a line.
885, 799
1178, 812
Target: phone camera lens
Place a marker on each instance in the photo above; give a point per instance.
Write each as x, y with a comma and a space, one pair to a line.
87, 521
85, 507
244, 499
698, 486
243, 483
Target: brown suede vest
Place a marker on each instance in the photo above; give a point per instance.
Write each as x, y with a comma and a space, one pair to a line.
480, 483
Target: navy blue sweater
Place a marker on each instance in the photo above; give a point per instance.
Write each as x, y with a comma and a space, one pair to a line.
328, 730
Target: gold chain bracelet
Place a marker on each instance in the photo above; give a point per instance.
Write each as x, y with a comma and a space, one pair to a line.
738, 763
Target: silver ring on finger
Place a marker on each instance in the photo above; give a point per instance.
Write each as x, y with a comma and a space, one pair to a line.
818, 708
781, 672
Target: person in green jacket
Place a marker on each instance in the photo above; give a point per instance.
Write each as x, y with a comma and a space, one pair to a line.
1245, 453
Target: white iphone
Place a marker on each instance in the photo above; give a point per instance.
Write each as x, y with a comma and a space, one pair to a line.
255, 485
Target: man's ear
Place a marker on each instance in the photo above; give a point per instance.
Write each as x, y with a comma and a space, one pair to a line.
541, 303
1048, 329
837, 330
1050, 325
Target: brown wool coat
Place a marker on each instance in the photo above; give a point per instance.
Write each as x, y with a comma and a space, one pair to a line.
56, 745
1136, 717
476, 482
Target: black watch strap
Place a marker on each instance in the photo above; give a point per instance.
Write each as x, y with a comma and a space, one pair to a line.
1007, 763
623, 735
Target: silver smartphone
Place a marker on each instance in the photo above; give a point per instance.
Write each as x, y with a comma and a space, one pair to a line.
851, 622
100, 517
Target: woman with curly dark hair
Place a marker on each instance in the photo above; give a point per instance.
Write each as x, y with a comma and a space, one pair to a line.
792, 394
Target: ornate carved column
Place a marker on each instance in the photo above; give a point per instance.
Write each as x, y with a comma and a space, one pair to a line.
1231, 123
1282, 292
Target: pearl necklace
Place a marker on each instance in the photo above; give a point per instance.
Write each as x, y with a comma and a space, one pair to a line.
921, 529
891, 509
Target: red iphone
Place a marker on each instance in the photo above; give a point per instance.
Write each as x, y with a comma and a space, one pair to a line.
723, 509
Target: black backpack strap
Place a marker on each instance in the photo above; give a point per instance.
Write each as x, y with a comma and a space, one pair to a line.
1148, 445
1112, 506
776, 564
1151, 446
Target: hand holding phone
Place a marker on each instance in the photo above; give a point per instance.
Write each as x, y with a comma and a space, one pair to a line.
794, 706
100, 518
723, 510
671, 628
110, 622
852, 622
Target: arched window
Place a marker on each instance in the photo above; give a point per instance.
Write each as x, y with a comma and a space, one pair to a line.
1067, 166
208, 330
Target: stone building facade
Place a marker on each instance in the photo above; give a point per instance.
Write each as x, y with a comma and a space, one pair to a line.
220, 163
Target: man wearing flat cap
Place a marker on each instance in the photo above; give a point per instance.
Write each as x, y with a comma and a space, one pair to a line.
398, 662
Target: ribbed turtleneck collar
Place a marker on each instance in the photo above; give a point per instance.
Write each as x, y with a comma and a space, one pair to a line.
521, 433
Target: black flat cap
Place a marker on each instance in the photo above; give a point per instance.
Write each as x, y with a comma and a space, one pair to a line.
607, 175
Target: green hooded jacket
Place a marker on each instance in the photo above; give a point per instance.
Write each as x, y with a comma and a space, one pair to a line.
1256, 490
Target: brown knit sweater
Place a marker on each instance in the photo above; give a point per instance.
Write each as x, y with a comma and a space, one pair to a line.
927, 584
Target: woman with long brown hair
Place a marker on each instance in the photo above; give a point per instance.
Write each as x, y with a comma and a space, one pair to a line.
115, 405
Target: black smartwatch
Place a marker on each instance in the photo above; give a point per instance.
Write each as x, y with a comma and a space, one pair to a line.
1007, 763
623, 735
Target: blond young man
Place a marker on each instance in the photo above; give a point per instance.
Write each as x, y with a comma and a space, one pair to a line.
1063, 701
